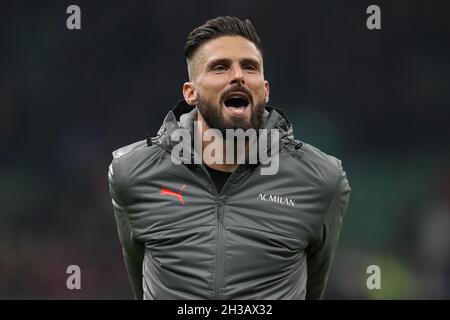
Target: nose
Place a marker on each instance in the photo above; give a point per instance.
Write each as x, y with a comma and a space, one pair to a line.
238, 75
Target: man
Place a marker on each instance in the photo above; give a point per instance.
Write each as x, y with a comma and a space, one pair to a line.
221, 230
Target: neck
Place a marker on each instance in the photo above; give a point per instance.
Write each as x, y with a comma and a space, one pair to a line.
218, 145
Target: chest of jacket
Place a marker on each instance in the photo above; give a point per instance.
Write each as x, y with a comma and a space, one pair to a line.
178, 205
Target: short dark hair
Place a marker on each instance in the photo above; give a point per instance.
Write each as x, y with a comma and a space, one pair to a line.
217, 27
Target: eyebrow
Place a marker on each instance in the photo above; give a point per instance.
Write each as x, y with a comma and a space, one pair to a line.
228, 61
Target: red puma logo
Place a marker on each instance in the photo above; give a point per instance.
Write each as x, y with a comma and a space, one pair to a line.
173, 193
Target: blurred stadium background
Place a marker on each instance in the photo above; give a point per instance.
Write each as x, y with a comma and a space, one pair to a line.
378, 100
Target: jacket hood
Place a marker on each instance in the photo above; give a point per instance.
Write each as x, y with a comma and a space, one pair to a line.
184, 115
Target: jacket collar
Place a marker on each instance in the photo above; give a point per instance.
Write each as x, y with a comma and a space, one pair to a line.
184, 115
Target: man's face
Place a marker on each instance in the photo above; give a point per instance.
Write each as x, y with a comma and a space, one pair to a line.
227, 83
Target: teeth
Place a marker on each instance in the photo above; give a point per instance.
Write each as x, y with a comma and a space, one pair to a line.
235, 96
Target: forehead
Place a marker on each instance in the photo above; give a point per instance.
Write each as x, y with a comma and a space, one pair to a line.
228, 47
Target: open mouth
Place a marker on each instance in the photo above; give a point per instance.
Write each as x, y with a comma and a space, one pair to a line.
237, 103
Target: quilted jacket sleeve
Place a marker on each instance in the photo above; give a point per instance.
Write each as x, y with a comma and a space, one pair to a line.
133, 251
321, 252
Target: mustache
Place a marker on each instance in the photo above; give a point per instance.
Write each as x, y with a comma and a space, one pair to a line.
237, 89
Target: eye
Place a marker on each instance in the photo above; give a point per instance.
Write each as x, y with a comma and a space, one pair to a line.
219, 67
250, 67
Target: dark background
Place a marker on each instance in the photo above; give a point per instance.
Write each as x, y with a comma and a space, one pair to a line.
378, 100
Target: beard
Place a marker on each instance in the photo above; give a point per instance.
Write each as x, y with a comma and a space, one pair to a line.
214, 117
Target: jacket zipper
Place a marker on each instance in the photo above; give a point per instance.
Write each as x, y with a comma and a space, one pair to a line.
219, 250
219, 241
220, 204
219, 227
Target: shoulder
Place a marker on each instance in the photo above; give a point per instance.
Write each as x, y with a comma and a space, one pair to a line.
128, 159
136, 152
318, 157
325, 169
135, 146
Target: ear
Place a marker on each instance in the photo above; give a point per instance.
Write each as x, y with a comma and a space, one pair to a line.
190, 93
267, 90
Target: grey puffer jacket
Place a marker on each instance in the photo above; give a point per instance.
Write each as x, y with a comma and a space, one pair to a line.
261, 237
